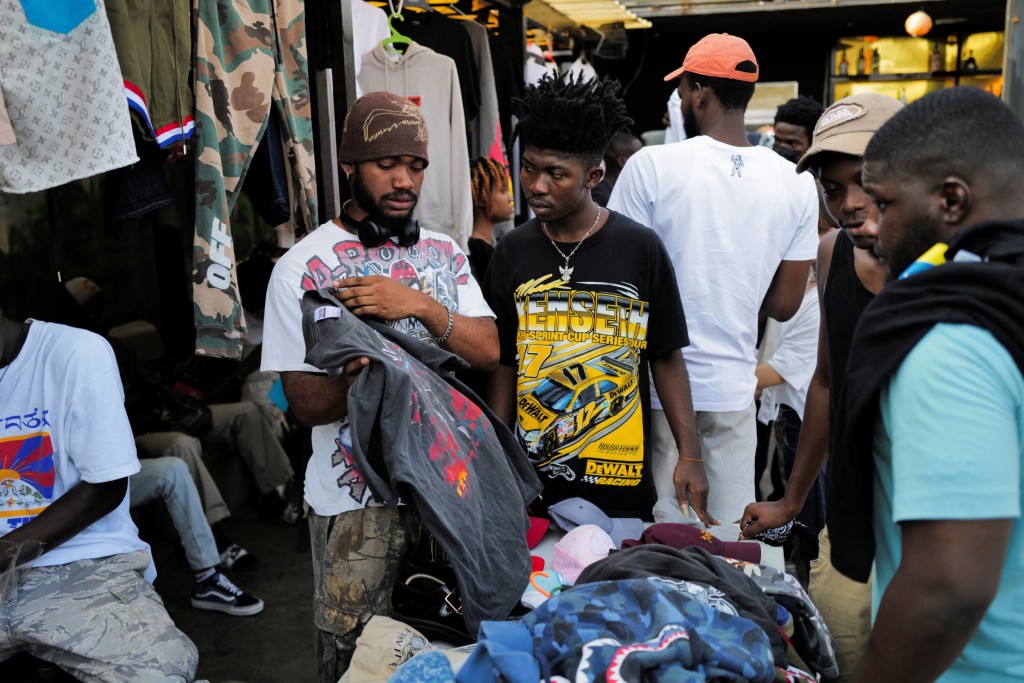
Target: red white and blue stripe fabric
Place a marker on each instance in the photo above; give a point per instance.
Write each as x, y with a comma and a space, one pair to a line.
166, 135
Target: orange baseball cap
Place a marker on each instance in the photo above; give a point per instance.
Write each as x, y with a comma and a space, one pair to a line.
718, 55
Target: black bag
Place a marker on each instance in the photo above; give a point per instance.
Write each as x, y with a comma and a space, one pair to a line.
426, 595
156, 407
152, 406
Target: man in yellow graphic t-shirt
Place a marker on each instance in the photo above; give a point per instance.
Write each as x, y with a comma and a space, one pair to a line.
574, 290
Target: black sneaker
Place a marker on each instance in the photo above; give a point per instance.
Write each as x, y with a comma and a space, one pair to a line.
219, 594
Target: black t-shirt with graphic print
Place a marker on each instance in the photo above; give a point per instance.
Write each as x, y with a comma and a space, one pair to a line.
580, 348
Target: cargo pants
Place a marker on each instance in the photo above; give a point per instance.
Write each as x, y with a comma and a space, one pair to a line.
250, 57
100, 620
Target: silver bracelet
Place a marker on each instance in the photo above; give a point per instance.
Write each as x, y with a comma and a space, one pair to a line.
448, 332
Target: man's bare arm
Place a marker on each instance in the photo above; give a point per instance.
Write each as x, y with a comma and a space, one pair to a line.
475, 339
319, 399
501, 396
673, 385
65, 518
948, 576
786, 292
812, 449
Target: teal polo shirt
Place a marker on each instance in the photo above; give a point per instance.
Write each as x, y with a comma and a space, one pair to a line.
949, 445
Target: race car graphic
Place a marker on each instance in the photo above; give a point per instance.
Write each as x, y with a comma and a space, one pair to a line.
575, 404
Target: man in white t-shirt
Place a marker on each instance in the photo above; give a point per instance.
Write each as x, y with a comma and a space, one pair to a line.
741, 228
385, 267
73, 572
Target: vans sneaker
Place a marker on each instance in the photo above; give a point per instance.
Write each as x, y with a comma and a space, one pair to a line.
219, 594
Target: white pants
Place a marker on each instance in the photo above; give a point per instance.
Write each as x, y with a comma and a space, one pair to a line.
727, 444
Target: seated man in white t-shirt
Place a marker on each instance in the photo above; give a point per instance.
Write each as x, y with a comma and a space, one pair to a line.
66, 452
385, 267
740, 227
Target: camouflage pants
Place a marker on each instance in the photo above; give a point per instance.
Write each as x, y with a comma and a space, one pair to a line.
97, 619
250, 57
356, 558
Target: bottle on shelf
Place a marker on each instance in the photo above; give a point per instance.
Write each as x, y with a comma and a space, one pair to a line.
844, 66
935, 59
969, 64
860, 63
876, 60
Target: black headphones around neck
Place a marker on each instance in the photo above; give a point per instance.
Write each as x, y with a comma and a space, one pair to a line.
373, 234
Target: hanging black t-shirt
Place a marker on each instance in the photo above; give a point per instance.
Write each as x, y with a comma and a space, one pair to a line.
581, 351
447, 37
508, 81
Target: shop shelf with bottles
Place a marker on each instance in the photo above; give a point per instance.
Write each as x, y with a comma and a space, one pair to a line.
908, 68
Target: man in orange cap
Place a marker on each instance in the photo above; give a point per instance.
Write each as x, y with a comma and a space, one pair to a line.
741, 227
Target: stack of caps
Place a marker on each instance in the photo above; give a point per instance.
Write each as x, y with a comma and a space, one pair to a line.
591, 535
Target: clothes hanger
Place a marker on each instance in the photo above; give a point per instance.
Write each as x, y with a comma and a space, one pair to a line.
452, 11
395, 38
418, 4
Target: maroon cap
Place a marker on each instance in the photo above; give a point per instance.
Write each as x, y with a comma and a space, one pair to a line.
685, 536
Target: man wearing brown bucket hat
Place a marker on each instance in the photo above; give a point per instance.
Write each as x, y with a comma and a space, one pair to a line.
850, 273
386, 267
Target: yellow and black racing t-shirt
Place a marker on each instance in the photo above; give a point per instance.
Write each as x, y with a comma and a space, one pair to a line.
580, 349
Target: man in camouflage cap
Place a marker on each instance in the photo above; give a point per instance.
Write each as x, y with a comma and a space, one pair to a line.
387, 268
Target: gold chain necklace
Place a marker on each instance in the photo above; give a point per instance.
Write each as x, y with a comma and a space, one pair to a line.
566, 271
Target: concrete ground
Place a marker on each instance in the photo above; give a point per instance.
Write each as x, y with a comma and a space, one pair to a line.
274, 646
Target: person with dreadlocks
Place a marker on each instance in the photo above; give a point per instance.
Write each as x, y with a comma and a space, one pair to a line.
582, 311
492, 203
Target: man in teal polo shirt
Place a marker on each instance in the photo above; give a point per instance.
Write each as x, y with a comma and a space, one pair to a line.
934, 427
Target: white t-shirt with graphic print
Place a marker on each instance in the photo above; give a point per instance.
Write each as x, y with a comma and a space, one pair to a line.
62, 421
728, 217
434, 265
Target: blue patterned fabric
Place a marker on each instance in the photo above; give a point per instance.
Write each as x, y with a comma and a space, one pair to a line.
638, 629
430, 665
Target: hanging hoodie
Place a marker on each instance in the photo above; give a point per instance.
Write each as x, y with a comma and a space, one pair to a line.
448, 37
416, 436
432, 83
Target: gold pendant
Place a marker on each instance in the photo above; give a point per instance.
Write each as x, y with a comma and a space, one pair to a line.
566, 272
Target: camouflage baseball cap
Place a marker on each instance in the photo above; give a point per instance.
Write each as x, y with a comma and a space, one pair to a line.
847, 126
383, 124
